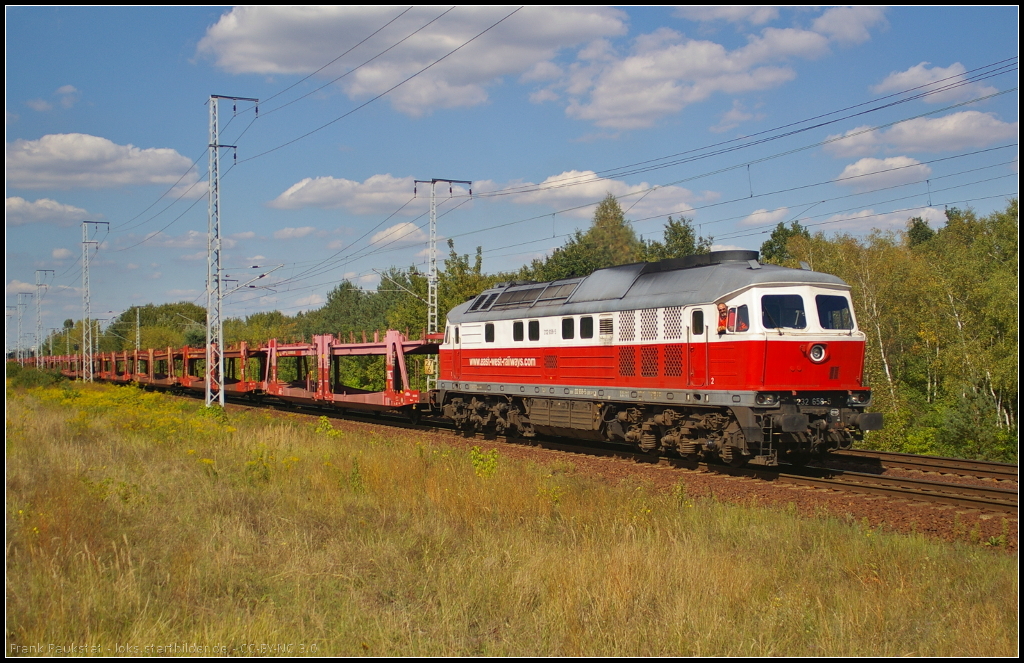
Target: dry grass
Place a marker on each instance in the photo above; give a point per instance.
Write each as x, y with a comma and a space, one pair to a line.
137, 519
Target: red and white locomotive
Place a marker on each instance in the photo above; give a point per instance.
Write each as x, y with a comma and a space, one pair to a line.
646, 354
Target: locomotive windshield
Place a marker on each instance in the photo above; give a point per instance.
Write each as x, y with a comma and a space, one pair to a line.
779, 311
834, 312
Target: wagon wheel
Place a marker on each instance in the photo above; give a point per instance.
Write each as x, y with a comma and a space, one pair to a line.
414, 416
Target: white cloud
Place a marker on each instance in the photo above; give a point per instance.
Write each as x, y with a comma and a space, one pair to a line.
868, 219
310, 300
192, 239
248, 234
62, 254
728, 247
64, 161
921, 75
40, 105
849, 25
20, 287
588, 189
400, 233
68, 95
376, 195
335, 245
667, 72
19, 211
296, 40
194, 257
957, 131
734, 117
293, 233
763, 217
732, 14
869, 173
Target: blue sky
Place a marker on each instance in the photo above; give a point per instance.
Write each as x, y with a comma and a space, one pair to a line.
847, 119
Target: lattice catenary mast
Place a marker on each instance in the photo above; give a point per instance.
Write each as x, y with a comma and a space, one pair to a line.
40, 289
214, 272
432, 271
87, 340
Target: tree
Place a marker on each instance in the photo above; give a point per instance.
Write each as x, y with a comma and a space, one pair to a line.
680, 240
609, 241
918, 231
775, 250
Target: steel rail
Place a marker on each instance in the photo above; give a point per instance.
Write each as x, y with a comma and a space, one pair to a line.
975, 468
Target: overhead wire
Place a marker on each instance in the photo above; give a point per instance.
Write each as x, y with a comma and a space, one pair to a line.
386, 92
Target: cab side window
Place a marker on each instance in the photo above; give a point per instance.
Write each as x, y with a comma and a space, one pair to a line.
697, 323
587, 327
517, 330
568, 328
534, 329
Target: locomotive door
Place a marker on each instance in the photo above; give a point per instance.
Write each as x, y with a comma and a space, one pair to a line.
697, 346
457, 355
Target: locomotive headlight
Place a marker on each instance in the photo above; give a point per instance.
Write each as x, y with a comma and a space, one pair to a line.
859, 398
767, 399
817, 353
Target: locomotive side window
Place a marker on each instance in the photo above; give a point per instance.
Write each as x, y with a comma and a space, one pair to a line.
489, 332
447, 334
517, 330
568, 328
587, 327
697, 324
739, 320
783, 311
534, 330
833, 312
456, 336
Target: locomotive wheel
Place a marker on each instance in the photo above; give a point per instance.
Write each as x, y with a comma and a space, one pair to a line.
732, 457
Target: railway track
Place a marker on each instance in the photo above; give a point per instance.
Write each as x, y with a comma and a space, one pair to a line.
982, 498
975, 468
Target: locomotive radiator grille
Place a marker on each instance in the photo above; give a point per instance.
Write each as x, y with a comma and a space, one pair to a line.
674, 322
649, 361
627, 326
673, 361
648, 324
627, 362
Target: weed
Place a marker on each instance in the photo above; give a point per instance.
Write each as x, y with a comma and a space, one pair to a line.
355, 478
324, 427
258, 467
485, 463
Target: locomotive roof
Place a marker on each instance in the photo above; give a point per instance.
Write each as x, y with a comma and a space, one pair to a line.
676, 282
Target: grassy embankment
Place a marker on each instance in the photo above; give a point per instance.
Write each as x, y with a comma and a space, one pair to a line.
138, 519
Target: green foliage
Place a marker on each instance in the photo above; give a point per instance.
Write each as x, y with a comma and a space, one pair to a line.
775, 249
918, 231
159, 326
485, 463
31, 377
324, 427
940, 313
680, 240
609, 241
195, 337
